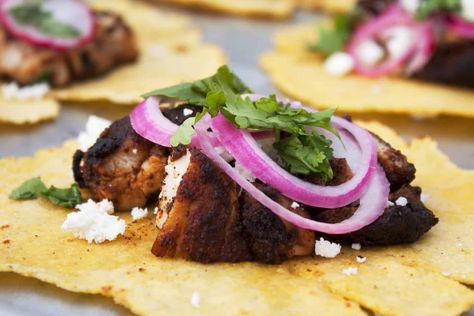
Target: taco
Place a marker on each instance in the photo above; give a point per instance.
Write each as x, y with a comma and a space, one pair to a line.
298, 210
385, 56
278, 9
87, 51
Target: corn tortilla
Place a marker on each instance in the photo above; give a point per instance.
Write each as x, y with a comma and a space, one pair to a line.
27, 111
171, 52
331, 6
278, 9
401, 280
301, 75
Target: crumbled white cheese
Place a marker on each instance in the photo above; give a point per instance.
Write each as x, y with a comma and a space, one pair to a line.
350, 271
376, 89
326, 248
339, 64
295, 205
196, 299
356, 246
412, 5
187, 112
94, 223
390, 204
361, 259
467, 9
369, 52
424, 197
134, 151
401, 201
12, 91
175, 171
158, 50
401, 38
139, 213
244, 172
94, 127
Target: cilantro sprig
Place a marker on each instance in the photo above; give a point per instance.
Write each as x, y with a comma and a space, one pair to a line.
34, 188
32, 14
428, 7
333, 38
302, 151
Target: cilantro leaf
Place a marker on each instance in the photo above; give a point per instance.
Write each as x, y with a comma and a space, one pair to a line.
30, 189
196, 92
184, 133
67, 198
428, 7
32, 14
305, 154
333, 39
34, 188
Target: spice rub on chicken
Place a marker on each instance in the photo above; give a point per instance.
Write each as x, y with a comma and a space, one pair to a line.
203, 215
25, 63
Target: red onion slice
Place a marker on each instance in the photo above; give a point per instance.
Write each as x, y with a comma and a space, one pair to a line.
460, 26
372, 202
71, 12
243, 147
150, 123
416, 55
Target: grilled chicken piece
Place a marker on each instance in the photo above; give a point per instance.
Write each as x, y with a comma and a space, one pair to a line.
452, 63
398, 224
395, 164
207, 221
122, 167
25, 63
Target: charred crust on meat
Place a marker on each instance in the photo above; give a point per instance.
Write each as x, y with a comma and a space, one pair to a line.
76, 168
397, 225
452, 63
395, 164
176, 113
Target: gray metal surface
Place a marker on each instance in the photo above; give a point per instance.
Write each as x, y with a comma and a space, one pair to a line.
244, 40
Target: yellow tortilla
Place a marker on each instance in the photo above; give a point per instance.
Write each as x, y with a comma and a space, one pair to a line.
27, 111
266, 8
332, 6
398, 280
300, 74
170, 52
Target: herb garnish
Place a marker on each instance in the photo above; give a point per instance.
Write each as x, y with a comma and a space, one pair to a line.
302, 151
34, 188
334, 38
428, 7
32, 14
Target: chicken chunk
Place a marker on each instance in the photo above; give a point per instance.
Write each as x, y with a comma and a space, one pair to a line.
207, 221
122, 167
25, 63
399, 224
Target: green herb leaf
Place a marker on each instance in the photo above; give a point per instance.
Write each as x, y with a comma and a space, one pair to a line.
68, 198
184, 133
32, 14
33, 188
333, 39
305, 154
30, 189
196, 92
428, 7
